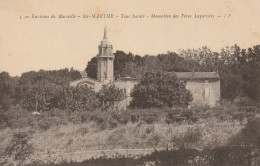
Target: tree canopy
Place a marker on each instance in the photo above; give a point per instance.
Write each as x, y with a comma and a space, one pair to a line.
159, 89
110, 96
34, 90
239, 69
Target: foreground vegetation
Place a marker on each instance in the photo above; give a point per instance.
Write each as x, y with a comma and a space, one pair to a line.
60, 136
229, 155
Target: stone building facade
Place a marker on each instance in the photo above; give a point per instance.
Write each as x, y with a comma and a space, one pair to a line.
205, 86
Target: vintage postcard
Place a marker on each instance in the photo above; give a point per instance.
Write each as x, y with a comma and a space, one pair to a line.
134, 83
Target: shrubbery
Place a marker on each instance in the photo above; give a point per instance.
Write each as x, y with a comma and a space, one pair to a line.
110, 96
18, 117
19, 149
189, 137
250, 135
77, 99
160, 89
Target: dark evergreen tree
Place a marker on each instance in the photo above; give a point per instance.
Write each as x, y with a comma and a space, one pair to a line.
91, 68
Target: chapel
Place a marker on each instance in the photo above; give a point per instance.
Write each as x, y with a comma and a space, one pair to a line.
204, 86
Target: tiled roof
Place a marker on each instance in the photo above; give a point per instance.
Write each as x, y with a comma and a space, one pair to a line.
84, 78
197, 75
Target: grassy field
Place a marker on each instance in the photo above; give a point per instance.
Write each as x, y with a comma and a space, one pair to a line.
68, 141
81, 136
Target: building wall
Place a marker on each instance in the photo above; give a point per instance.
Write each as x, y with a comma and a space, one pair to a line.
95, 85
205, 92
127, 86
105, 69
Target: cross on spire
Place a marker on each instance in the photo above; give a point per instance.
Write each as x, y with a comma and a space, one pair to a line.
105, 33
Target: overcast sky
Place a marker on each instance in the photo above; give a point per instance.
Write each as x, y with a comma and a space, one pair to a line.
33, 44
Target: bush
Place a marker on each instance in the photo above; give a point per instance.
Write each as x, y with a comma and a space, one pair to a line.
225, 117
150, 118
172, 118
45, 121
82, 131
250, 135
80, 98
192, 136
110, 96
180, 115
44, 124
160, 89
149, 115
149, 129
154, 141
20, 147
113, 123
116, 137
119, 116
252, 109
243, 101
99, 119
16, 118
239, 116
75, 119
230, 155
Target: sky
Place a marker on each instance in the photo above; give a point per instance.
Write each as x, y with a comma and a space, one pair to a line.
32, 44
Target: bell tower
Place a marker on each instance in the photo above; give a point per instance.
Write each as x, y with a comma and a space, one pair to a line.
105, 57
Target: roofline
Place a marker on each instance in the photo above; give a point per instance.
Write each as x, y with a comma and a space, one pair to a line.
85, 77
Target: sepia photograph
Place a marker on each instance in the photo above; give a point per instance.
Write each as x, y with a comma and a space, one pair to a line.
129, 83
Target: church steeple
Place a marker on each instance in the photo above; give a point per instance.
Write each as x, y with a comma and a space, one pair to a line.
105, 57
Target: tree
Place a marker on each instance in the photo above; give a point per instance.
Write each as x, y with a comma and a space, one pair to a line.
205, 60
39, 97
7, 90
110, 96
239, 71
159, 89
91, 68
59, 77
121, 59
74, 74
238, 68
6, 102
80, 98
20, 148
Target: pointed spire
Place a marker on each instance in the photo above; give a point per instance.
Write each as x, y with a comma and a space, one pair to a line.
105, 33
